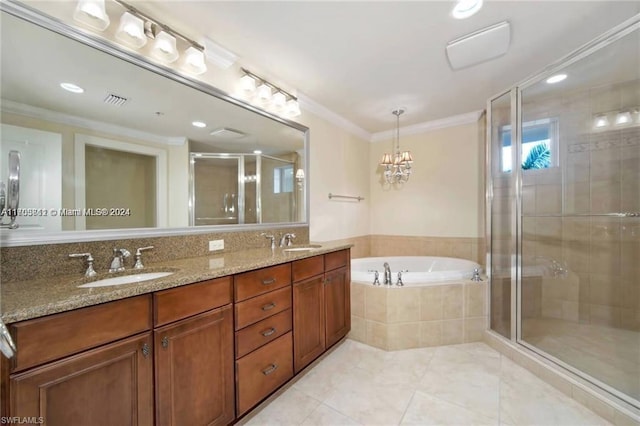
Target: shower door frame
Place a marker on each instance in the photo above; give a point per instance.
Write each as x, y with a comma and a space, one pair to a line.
616, 33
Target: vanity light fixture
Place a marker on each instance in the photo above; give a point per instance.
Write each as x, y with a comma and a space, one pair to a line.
70, 87
199, 124
397, 166
279, 101
92, 13
137, 27
268, 95
300, 177
556, 78
131, 31
257, 151
600, 121
623, 118
264, 93
194, 61
164, 47
466, 8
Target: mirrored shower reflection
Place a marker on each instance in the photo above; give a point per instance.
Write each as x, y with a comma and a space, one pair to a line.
243, 188
580, 276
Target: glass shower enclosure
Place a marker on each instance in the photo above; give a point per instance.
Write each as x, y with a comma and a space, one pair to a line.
563, 212
241, 188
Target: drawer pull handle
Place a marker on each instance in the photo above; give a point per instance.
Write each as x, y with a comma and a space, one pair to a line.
145, 350
270, 369
165, 342
268, 306
268, 281
268, 332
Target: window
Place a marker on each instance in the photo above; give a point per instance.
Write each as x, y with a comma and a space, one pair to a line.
283, 179
539, 145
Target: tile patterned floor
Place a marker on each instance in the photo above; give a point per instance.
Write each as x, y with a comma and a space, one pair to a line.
469, 384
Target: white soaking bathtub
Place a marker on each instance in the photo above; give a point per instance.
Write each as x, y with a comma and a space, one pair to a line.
421, 270
439, 304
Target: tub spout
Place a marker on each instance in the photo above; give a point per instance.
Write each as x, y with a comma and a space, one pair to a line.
387, 274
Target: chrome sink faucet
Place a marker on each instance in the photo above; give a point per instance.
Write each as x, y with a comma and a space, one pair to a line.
286, 239
119, 255
271, 238
387, 274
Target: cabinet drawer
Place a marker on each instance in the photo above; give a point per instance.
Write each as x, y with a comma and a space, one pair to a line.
254, 283
253, 310
55, 336
182, 302
262, 371
336, 260
307, 268
263, 332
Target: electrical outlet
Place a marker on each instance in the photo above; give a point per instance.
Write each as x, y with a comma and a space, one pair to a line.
216, 245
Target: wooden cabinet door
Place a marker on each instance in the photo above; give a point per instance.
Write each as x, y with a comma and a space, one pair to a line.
337, 300
194, 370
308, 321
110, 385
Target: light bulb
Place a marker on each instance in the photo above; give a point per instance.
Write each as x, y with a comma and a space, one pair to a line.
131, 31
293, 108
92, 13
194, 61
164, 47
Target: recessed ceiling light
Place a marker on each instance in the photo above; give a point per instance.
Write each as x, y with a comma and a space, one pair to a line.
199, 124
556, 78
72, 87
466, 8
257, 151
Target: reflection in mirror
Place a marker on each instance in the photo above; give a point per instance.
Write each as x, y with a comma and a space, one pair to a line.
242, 188
97, 132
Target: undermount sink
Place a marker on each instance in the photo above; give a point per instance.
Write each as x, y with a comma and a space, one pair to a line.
303, 248
126, 279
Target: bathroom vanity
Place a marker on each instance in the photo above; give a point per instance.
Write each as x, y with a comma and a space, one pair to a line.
177, 350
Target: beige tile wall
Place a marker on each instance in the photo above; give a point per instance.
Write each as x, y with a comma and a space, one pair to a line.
400, 245
415, 317
601, 174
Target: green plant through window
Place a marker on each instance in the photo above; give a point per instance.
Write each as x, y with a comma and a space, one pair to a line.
539, 157
538, 144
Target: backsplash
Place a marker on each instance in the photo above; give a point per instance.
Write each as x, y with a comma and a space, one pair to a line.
39, 261
401, 245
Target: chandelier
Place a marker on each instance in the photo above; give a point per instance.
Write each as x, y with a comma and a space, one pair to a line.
397, 167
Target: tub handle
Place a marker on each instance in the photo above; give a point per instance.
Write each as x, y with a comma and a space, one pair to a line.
399, 282
376, 277
476, 275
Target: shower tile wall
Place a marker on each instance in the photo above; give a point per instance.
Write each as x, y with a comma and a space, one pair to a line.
601, 175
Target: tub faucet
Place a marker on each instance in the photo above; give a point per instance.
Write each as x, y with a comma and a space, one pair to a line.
387, 274
376, 277
476, 275
286, 239
399, 282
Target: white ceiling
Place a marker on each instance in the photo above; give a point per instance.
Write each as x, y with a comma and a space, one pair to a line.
361, 59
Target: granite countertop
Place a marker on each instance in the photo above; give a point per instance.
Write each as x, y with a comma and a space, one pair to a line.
22, 300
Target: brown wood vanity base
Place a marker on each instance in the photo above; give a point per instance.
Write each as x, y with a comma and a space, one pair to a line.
199, 354
263, 371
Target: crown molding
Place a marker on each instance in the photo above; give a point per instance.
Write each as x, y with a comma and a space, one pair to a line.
428, 126
72, 120
308, 104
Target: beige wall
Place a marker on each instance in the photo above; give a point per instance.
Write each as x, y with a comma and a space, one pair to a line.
340, 165
443, 196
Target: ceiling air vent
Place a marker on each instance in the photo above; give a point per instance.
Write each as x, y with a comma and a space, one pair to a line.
227, 133
480, 46
116, 100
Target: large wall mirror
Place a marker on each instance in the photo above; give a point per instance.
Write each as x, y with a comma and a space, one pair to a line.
139, 148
